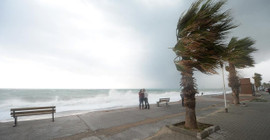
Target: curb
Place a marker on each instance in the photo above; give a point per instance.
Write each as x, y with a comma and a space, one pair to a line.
200, 135
208, 131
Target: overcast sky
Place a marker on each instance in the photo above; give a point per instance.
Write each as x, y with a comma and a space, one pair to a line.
110, 43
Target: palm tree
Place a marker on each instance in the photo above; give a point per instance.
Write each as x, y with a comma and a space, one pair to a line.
265, 85
200, 32
257, 80
238, 55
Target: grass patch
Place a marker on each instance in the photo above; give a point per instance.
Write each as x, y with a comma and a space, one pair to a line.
201, 126
258, 100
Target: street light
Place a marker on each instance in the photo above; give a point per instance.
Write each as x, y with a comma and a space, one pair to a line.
224, 91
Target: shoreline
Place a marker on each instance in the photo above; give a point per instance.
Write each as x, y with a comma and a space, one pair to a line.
74, 113
70, 102
82, 112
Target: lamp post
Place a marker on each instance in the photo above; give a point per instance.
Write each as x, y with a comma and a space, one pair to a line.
224, 91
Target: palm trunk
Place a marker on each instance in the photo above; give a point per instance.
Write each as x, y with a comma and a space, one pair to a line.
234, 83
235, 95
187, 82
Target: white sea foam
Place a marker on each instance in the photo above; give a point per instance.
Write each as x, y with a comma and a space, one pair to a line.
79, 101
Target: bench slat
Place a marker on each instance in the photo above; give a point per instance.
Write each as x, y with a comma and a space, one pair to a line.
29, 112
164, 99
33, 113
31, 108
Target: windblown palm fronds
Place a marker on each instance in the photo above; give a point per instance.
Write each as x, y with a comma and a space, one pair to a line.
238, 55
200, 34
257, 80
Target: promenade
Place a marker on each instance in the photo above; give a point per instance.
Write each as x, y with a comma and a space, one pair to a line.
249, 122
242, 122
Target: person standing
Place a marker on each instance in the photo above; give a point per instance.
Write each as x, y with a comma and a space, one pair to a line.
141, 98
182, 98
147, 106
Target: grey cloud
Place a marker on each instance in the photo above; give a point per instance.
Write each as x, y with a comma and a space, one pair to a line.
22, 23
252, 16
157, 26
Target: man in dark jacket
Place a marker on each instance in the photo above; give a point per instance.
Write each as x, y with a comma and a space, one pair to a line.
182, 98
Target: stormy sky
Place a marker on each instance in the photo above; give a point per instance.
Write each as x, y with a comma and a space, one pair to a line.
110, 43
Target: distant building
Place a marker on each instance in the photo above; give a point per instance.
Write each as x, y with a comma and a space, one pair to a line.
246, 87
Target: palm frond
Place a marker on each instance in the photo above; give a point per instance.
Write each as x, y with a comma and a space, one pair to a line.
200, 34
239, 52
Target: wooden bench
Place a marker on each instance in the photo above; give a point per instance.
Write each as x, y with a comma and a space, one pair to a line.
166, 100
18, 112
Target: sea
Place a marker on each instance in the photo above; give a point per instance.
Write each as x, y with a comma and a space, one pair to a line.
78, 101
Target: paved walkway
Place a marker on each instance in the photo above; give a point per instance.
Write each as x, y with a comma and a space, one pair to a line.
250, 122
131, 123
243, 122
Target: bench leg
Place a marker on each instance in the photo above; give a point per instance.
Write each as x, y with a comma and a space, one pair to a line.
53, 117
15, 121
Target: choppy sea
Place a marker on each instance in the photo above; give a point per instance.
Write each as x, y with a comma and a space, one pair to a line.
72, 101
